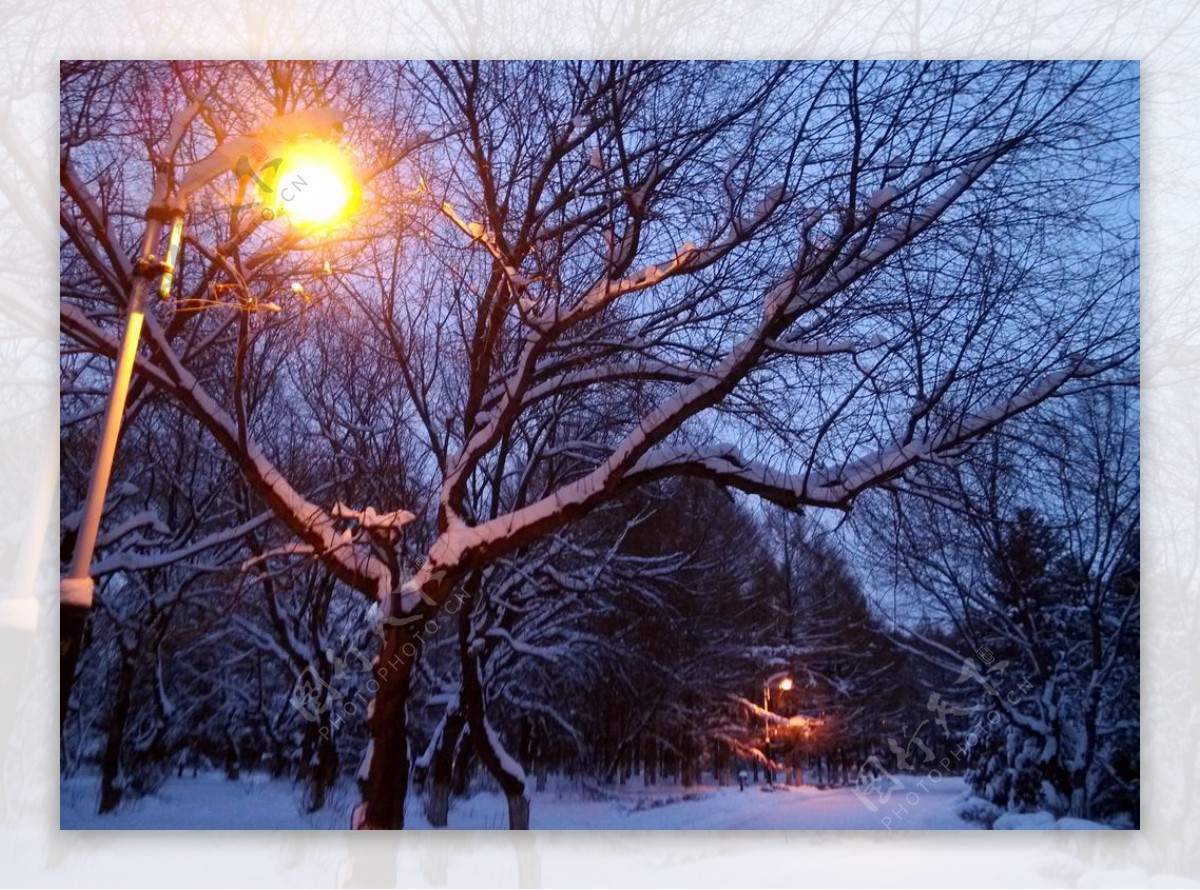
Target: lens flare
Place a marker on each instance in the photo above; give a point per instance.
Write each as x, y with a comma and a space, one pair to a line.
314, 185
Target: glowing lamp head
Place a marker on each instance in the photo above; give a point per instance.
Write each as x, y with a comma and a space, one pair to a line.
314, 185
786, 684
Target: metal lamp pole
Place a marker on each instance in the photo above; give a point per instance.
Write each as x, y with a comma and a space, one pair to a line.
767, 732
784, 677
76, 589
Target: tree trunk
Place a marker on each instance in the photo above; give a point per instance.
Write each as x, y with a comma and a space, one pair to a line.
387, 776
110, 774
233, 765
650, 762
279, 761
441, 771
1081, 803
460, 786
322, 772
512, 785
518, 811
504, 771
73, 621
687, 763
437, 808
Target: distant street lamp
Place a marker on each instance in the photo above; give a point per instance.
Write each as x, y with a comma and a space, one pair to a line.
785, 684
313, 185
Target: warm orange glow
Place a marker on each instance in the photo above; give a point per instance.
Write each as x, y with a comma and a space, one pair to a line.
786, 684
314, 185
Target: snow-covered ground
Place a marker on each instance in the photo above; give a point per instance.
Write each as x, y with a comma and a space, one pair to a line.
717, 808
211, 802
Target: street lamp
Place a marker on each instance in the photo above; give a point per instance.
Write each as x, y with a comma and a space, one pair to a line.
785, 684
313, 184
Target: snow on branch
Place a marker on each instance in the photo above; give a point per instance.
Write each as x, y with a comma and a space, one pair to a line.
640, 370
820, 347
354, 565
293, 548
125, 560
837, 487
547, 653
794, 293
369, 519
745, 751
551, 323
545, 710
724, 464
142, 519
118, 271
797, 721
507, 763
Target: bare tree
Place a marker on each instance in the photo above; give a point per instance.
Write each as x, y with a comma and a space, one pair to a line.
796, 280
1028, 554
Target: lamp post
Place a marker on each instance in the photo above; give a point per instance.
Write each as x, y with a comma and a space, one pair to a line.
319, 188
785, 683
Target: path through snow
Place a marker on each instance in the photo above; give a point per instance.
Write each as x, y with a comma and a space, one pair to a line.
212, 802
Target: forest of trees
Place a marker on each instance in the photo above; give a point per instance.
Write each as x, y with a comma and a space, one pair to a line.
632, 390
